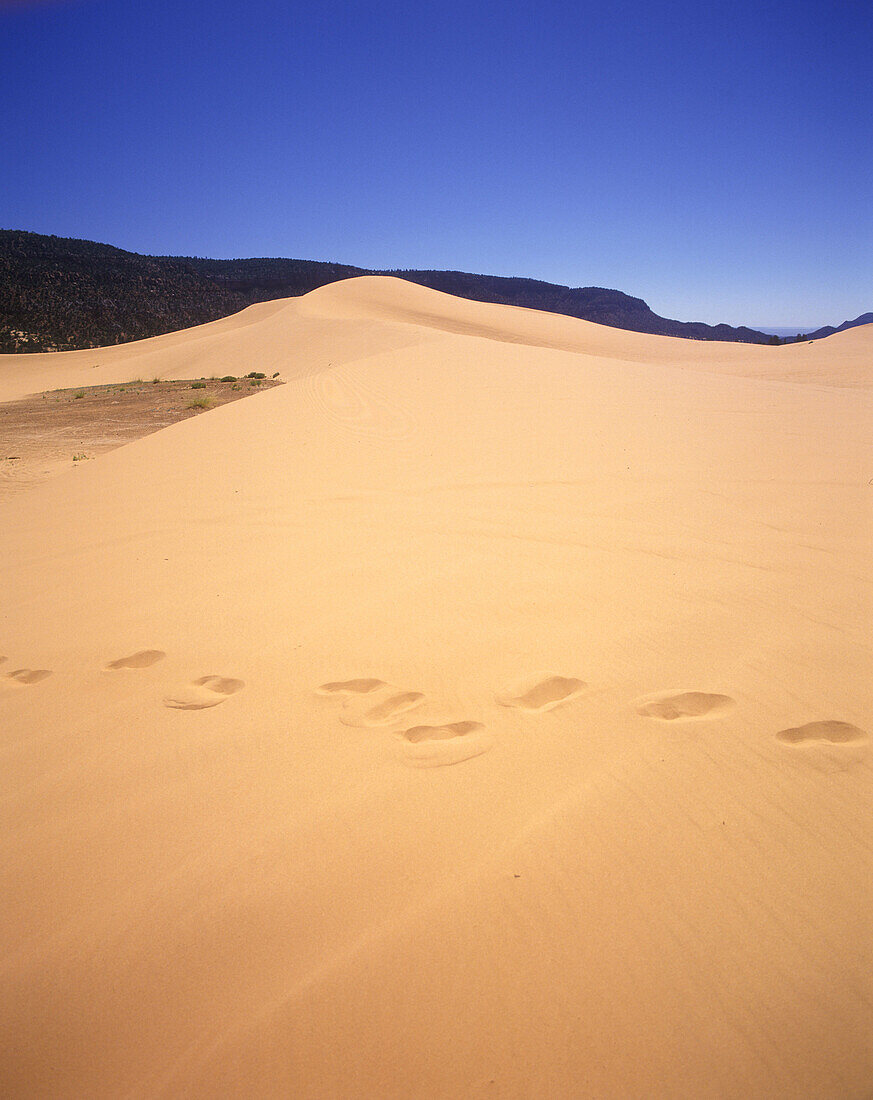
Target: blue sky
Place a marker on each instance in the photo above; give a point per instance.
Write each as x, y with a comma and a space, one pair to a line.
713, 158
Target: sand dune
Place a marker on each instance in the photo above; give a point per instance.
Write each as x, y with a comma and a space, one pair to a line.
486, 711
353, 319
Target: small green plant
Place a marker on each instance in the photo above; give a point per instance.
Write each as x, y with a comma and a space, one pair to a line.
198, 385
254, 381
276, 375
256, 374
80, 457
202, 403
235, 387
155, 381
78, 395
229, 378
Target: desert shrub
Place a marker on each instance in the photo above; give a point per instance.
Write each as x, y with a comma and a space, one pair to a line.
256, 374
78, 395
229, 378
198, 385
201, 403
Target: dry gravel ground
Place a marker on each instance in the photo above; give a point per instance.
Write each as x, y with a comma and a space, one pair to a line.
48, 433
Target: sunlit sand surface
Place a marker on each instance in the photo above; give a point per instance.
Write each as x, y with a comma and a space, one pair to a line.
484, 712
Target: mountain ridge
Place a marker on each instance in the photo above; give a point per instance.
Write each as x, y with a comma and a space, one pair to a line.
829, 330
64, 294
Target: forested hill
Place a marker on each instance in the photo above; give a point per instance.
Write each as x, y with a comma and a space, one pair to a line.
63, 294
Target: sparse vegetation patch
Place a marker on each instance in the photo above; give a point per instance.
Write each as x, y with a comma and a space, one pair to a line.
49, 428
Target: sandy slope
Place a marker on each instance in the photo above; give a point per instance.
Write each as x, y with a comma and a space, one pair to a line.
492, 720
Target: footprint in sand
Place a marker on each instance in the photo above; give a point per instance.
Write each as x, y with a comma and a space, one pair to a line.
417, 734
830, 732
393, 702
386, 711
25, 677
545, 694
145, 658
684, 704
351, 687
208, 691
441, 746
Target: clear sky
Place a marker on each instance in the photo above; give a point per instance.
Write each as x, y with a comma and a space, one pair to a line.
714, 157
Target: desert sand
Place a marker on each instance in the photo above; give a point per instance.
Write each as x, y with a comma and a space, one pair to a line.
46, 434
484, 712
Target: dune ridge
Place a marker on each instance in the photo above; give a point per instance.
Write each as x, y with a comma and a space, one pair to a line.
370, 314
486, 711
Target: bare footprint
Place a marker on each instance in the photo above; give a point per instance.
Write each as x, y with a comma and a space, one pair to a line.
145, 658
417, 734
441, 746
351, 687
545, 694
25, 677
830, 732
685, 704
388, 711
208, 691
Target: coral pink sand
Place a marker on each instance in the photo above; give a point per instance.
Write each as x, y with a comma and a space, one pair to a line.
484, 712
